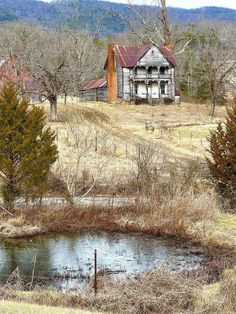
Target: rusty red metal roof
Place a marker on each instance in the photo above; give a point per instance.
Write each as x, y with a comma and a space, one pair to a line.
168, 54
129, 56
98, 83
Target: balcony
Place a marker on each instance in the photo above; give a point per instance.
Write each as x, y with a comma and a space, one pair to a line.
147, 76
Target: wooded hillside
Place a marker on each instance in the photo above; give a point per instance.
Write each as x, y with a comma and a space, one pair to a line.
75, 13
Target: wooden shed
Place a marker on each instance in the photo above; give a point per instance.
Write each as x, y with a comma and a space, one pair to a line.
95, 90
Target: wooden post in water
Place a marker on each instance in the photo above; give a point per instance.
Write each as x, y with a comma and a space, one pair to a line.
95, 272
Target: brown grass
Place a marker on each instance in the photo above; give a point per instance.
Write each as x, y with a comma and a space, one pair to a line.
185, 215
157, 291
173, 204
154, 292
221, 297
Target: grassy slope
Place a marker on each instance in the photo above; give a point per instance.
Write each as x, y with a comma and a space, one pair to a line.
182, 129
10, 307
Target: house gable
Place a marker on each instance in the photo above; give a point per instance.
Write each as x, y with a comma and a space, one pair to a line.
153, 57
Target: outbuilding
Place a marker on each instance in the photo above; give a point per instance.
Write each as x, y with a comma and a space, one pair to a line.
95, 90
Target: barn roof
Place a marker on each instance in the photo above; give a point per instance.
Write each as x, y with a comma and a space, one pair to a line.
129, 56
98, 83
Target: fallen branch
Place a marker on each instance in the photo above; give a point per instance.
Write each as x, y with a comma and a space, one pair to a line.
6, 210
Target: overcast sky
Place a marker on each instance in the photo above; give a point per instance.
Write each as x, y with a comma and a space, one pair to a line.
188, 3
184, 3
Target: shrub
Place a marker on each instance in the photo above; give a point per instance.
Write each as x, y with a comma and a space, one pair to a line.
222, 163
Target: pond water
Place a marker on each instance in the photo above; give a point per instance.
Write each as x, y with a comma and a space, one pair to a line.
67, 259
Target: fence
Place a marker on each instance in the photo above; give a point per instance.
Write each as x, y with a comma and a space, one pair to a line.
114, 147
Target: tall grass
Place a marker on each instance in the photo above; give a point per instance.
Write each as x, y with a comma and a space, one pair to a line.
223, 299
154, 292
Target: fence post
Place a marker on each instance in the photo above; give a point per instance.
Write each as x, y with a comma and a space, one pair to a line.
95, 272
57, 134
105, 147
96, 143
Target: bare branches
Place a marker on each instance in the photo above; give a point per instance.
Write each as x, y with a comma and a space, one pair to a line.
59, 60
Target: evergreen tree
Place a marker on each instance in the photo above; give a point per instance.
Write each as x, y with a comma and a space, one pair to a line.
222, 164
27, 148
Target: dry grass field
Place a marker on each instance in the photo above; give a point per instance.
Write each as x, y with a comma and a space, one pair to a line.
178, 127
110, 131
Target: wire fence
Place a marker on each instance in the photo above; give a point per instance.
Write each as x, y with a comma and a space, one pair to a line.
114, 147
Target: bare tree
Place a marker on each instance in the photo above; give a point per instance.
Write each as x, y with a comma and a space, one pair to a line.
213, 70
59, 60
85, 135
154, 26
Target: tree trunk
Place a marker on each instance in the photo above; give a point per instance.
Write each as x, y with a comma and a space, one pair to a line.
10, 192
53, 107
165, 24
212, 109
65, 99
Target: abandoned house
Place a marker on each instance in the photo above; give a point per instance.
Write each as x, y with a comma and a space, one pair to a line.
140, 74
11, 70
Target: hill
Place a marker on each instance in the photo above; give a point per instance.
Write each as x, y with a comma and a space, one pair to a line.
77, 13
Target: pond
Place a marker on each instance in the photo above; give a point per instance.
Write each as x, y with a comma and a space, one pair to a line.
67, 260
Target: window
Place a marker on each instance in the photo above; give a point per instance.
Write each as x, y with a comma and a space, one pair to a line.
136, 89
162, 86
162, 70
150, 71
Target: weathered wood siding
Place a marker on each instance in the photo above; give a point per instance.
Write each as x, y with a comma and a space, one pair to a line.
119, 72
153, 58
99, 94
141, 90
173, 82
154, 90
126, 85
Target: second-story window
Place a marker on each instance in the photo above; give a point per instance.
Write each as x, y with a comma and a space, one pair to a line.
162, 70
150, 71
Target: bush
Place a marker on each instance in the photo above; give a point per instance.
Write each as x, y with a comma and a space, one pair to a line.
222, 163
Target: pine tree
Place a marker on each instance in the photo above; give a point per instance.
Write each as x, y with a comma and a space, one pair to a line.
27, 148
222, 164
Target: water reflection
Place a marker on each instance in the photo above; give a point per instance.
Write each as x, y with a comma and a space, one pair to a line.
69, 255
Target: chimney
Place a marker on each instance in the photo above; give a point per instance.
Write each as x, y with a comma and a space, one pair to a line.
111, 74
168, 44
